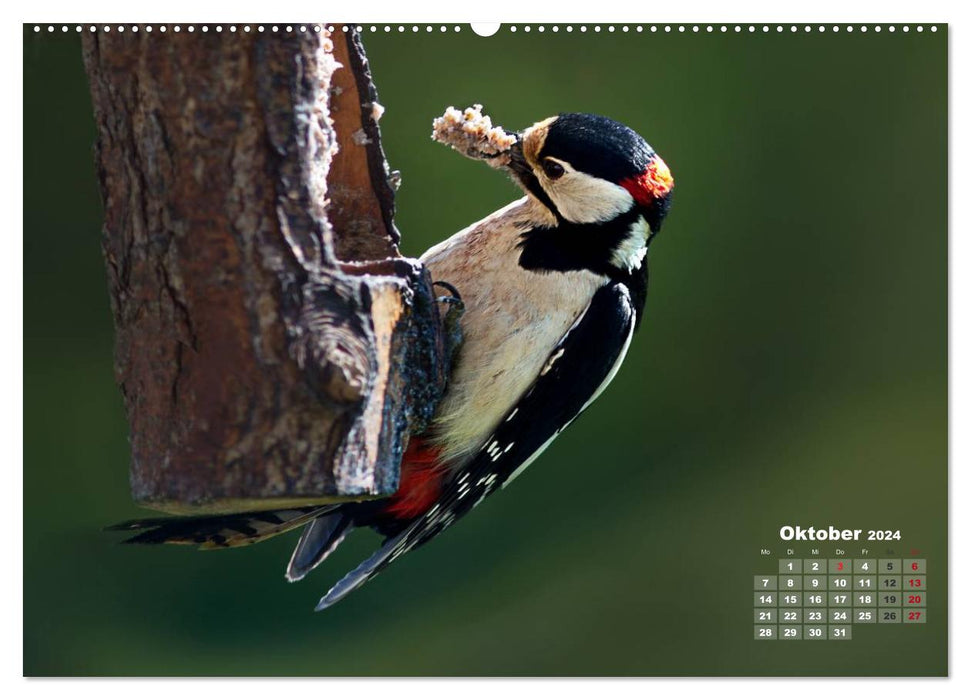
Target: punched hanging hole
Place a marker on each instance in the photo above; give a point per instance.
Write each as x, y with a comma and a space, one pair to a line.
485, 28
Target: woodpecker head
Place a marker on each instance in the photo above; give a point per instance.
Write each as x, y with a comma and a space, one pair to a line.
587, 169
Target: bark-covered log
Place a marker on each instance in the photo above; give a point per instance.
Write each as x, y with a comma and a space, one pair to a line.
272, 347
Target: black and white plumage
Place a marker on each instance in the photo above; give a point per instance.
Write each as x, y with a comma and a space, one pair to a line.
554, 287
580, 366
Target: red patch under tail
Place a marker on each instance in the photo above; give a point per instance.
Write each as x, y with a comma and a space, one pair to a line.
421, 481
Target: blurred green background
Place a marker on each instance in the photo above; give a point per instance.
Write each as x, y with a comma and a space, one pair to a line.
792, 368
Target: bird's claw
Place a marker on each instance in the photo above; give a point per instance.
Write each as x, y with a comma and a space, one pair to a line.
455, 300
452, 327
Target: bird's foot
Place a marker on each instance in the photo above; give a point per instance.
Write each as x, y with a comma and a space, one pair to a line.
452, 327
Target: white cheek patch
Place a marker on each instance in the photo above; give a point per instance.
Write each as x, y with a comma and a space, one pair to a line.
584, 199
629, 255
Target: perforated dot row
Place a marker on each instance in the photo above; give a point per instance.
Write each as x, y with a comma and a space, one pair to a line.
725, 28
414, 28
244, 28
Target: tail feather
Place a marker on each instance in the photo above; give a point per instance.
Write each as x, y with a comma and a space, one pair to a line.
318, 540
390, 550
220, 531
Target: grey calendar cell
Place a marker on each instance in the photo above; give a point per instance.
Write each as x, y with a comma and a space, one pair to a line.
841, 583
765, 632
915, 566
766, 583
840, 616
766, 616
840, 632
915, 583
914, 599
790, 566
790, 583
889, 583
765, 600
865, 616
814, 616
888, 566
864, 583
840, 566
790, 616
814, 566
839, 599
864, 566
915, 616
887, 599
790, 633
813, 632
814, 583
864, 600
790, 599
815, 600
889, 616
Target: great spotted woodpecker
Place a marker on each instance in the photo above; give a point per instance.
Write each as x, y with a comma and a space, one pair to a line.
554, 286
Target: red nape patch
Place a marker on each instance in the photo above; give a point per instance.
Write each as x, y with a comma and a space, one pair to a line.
652, 184
421, 481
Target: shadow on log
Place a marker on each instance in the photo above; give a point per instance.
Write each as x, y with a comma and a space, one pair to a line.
272, 346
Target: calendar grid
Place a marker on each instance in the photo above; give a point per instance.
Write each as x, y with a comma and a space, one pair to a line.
824, 599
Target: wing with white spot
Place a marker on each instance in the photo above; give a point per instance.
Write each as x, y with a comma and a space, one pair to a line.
578, 369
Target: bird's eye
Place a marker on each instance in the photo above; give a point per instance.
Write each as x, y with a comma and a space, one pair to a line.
553, 170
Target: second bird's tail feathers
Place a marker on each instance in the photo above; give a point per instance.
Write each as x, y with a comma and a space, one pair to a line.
221, 531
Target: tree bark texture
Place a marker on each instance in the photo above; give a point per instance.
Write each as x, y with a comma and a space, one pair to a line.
272, 346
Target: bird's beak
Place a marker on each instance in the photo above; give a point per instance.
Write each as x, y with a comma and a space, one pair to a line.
517, 164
